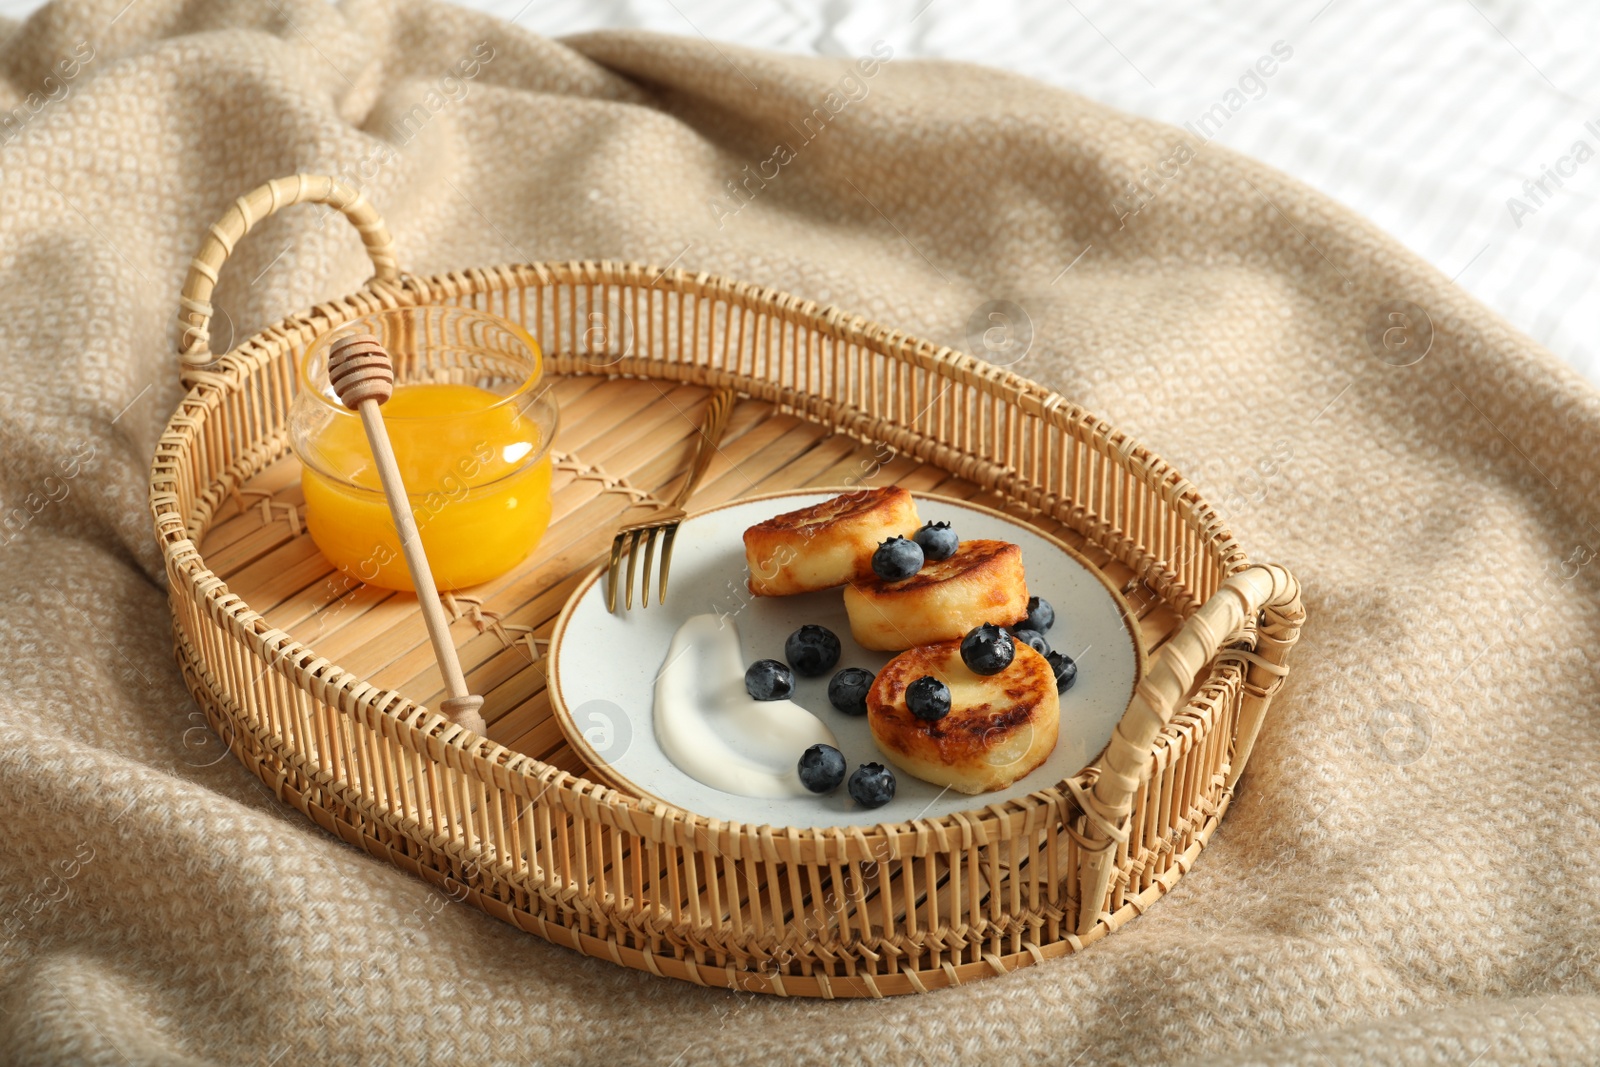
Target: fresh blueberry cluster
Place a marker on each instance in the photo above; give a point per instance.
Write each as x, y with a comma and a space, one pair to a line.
928, 698
769, 679
987, 649
1041, 616
1033, 639
812, 651
937, 540
1030, 631
897, 559
872, 786
821, 768
848, 690
1066, 669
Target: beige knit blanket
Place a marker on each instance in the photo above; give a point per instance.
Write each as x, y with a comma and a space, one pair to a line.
1412, 868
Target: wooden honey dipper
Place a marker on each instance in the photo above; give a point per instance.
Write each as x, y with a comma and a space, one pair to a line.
362, 375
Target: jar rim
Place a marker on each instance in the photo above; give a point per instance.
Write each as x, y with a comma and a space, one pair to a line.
543, 400
334, 404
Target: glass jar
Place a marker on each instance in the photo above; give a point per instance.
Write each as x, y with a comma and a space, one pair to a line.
471, 425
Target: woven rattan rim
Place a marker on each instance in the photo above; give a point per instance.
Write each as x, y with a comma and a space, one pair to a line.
227, 372
1189, 689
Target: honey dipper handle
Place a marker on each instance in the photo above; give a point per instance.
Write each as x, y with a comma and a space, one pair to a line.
361, 373
433, 616
195, 310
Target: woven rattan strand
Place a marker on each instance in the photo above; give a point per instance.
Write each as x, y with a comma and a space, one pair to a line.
324, 688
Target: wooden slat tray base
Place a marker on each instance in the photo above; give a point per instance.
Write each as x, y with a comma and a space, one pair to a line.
620, 440
284, 654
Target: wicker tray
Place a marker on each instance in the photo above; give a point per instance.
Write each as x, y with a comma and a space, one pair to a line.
322, 686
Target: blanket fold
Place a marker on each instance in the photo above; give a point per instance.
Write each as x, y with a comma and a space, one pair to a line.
1409, 870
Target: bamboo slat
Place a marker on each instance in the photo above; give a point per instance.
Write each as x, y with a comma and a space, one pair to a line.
301, 671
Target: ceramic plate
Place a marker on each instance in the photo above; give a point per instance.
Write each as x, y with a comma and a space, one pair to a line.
603, 666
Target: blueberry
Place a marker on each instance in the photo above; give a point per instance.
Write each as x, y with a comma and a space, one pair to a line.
1066, 670
1041, 616
928, 698
821, 768
1033, 639
938, 541
767, 679
987, 649
872, 785
812, 650
897, 559
848, 690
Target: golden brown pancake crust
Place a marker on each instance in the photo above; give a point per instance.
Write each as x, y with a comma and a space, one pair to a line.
999, 728
982, 582
839, 508
991, 560
825, 544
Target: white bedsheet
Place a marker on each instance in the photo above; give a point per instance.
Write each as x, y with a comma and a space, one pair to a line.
1427, 116
1468, 128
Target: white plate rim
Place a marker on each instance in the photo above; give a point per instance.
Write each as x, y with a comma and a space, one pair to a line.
603, 772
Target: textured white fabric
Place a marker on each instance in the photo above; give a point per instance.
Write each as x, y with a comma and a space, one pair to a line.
1426, 116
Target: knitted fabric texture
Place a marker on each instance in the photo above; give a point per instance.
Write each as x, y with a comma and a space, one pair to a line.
1409, 872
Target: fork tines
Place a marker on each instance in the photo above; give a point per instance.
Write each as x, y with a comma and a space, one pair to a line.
628, 540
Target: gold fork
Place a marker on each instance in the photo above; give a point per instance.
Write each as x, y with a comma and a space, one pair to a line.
665, 521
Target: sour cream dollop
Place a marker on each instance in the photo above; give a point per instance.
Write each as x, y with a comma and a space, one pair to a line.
714, 731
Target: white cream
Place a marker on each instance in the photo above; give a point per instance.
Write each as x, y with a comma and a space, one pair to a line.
712, 729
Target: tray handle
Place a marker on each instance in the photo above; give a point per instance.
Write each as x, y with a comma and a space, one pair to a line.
195, 310
1265, 588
